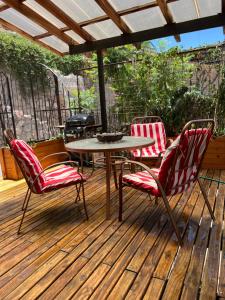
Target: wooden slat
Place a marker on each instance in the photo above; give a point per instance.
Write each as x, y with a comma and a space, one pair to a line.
61, 256
66, 19
176, 278
155, 289
28, 12
123, 285
211, 268
167, 15
110, 11
167, 259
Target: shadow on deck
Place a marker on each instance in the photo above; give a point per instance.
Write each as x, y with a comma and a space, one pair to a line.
59, 255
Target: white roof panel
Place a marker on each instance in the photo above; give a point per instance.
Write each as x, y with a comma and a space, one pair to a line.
75, 36
183, 10
146, 19
209, 7
55, 43
12, 16
80, 10
103, 30
44, 13
125, 4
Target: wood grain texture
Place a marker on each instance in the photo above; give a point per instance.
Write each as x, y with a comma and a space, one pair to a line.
59, 255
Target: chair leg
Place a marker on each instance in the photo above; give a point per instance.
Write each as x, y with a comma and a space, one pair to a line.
120, 198
24, 211
206, 199
84, 203
172, 219
78, 193
25, 199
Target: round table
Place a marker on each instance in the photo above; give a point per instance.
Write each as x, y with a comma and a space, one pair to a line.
92, 145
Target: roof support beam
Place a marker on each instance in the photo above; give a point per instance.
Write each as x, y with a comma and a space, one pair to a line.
223, 11
104, 18
110, 11
167, 30
101, 83
66, 19
26, 35
35, 17
167, 15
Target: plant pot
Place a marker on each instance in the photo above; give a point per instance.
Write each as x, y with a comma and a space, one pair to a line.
215, 154
10, 169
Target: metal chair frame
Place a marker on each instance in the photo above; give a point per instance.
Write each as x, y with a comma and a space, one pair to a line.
9, 137
163, 188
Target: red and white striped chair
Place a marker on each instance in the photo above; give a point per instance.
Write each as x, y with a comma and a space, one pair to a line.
38, 180
178, 170
152, 127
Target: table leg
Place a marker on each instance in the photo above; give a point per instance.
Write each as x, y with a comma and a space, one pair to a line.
108, 175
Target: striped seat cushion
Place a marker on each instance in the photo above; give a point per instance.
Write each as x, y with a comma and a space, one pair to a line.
29, 163
62, 177
144, 181
154, 131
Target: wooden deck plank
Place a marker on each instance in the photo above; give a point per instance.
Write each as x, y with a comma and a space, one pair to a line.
211, 268
19, 291
176, 278
121, 264
91, 284
193, 277
167, 259
155, 289
123, 285
61, 256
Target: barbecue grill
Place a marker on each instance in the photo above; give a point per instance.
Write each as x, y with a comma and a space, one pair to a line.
80, 126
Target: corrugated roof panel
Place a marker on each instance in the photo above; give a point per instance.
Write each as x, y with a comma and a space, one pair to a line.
55, 43
103, 30
125, 4
12, 16
75, 36
80, 10
183, 10
146, 19
209, 7
44, 13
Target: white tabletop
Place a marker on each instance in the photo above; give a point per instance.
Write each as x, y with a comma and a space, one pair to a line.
93, 145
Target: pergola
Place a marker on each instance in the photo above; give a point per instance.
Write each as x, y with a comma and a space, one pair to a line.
79, 26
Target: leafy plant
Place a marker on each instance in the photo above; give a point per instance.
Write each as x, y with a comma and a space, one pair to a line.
86, 98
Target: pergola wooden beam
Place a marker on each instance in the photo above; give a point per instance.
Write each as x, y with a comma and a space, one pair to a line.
66, 19
27, 36
104, 18
155, 33
167, 15
223, 11
35, 17
113, 15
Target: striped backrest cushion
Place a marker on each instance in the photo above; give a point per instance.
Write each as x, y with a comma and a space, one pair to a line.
154, 131
29, 164
181, 161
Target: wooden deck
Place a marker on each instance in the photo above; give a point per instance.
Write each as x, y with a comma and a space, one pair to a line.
59, 255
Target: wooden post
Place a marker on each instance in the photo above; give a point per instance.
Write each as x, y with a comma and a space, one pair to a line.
101, 83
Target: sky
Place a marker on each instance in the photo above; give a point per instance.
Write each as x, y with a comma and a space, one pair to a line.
194, 39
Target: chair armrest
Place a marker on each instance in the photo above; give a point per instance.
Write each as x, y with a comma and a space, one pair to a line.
55, 165
56, 154
146, 168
